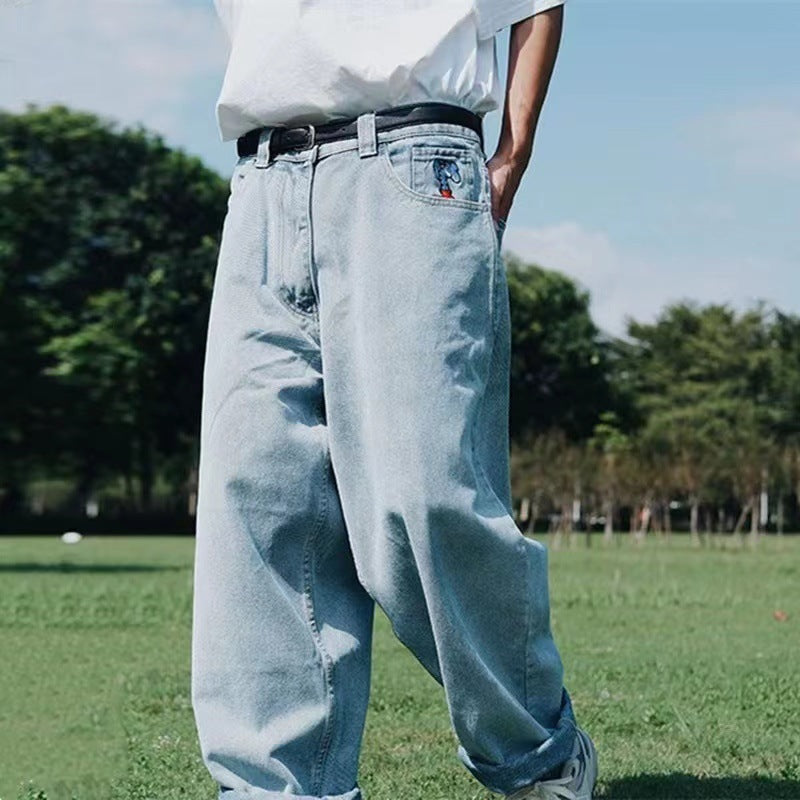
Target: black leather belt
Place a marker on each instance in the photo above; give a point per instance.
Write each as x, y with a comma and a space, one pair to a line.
304, 136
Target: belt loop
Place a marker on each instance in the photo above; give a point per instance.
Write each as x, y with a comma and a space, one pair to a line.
262, 153
367, 138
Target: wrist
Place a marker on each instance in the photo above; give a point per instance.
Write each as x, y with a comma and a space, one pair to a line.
516, 157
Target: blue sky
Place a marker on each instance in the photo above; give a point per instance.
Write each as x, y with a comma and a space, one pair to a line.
666, 163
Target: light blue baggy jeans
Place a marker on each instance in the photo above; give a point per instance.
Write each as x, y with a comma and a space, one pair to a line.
354, 449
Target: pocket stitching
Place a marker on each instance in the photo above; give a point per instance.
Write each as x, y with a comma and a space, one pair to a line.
453, 202
421, 153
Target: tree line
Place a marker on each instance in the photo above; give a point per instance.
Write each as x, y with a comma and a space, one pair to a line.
693, 416
108, 246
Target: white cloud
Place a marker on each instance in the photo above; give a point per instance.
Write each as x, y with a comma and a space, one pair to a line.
625, 283
132, 60
763, 136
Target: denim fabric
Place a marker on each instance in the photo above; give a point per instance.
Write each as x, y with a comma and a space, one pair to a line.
354, 450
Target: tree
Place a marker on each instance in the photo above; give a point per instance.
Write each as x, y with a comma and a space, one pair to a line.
611, 450
108, 243
705, 383
559, 361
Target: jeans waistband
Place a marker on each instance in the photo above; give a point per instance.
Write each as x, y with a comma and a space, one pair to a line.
284, 139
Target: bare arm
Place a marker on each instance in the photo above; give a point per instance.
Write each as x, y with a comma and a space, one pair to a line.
532, 50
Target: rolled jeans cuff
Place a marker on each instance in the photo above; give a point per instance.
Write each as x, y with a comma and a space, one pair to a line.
513, 775
264, 794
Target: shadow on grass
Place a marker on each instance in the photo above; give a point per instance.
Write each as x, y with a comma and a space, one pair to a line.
677, 786
65, 566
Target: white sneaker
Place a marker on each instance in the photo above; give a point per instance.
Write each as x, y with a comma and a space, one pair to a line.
577, 777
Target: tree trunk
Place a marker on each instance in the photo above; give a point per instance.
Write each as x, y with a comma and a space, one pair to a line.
718, 527
763, 504
608, 512
737, 528
191, 491
129, 493
754, 515
145, 470
706, 526
694, 515
82, 490
524, 510
644, 523
533, 517
658, 518
566, 521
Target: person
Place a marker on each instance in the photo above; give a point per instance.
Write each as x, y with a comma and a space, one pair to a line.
354, 424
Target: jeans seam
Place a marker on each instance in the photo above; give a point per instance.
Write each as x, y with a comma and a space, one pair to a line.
528, 660
325, 659
493, 328
478, 465
312, 277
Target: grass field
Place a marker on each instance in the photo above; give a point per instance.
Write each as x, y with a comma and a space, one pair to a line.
674, 657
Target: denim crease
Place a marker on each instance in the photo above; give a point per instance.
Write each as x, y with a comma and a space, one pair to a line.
353, 454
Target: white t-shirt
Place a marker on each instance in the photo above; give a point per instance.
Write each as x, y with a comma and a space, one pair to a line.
294, 62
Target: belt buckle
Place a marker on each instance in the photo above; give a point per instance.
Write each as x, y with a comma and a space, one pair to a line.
312, 136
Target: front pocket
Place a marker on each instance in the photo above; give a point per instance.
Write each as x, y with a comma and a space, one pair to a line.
444, 172
439, 174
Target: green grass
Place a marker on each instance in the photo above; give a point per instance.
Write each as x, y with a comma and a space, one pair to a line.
673, 657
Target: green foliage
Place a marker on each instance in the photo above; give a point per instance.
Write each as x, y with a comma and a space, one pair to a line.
108, 246
715, 393
108, 241
560, 376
